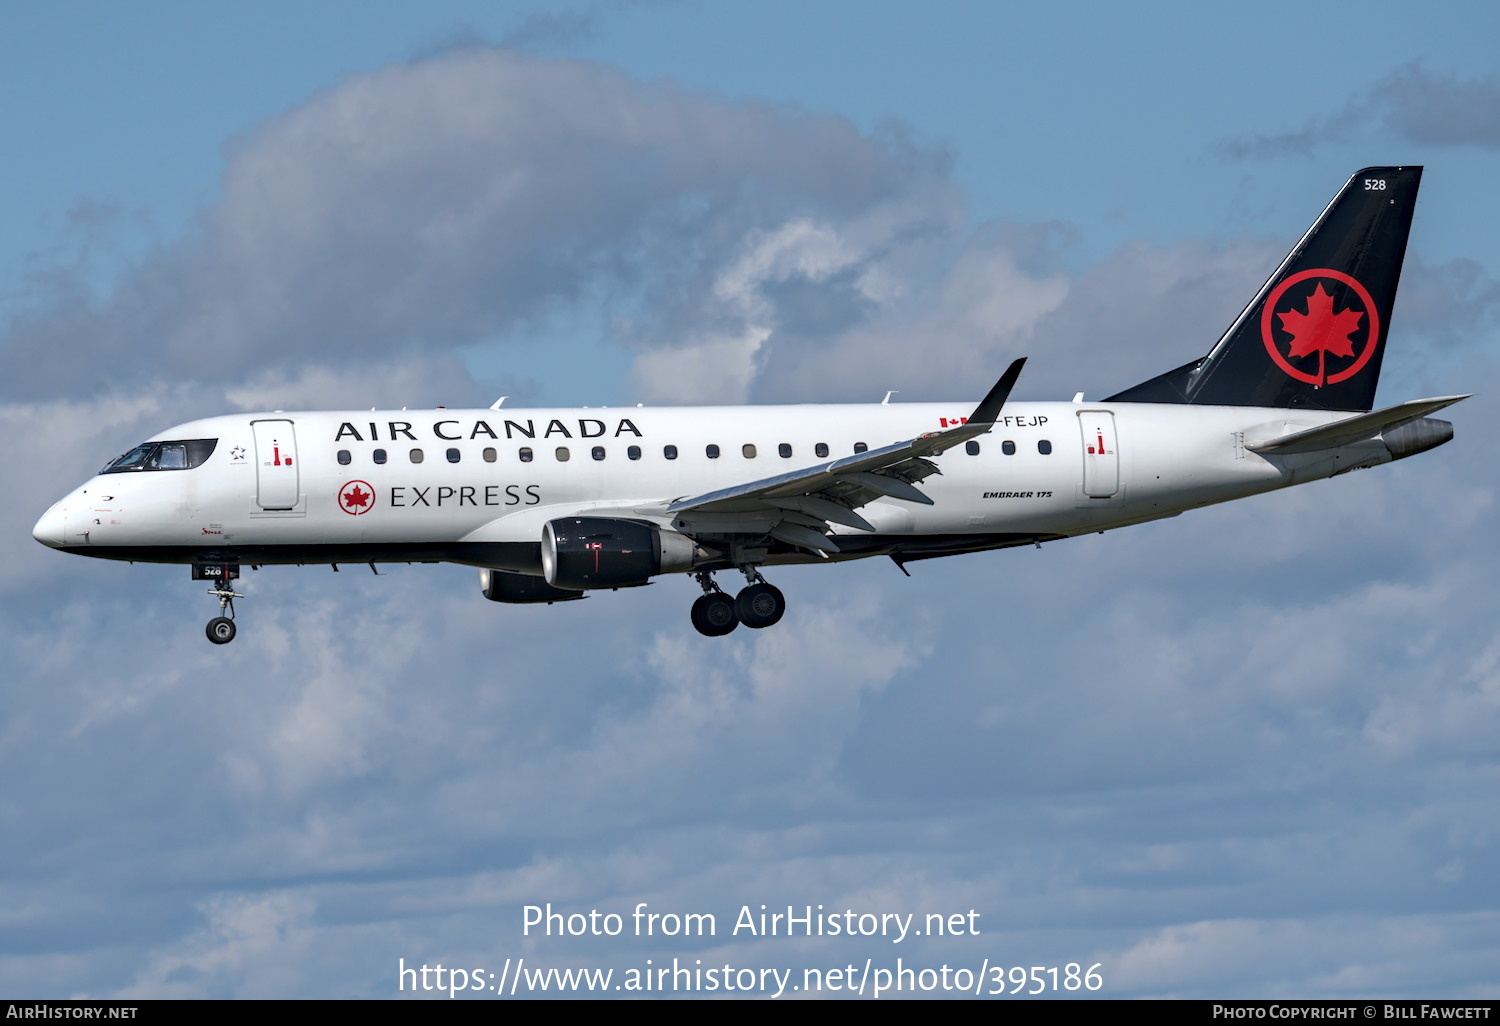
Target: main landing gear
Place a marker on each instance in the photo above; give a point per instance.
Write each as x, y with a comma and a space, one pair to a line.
758, 605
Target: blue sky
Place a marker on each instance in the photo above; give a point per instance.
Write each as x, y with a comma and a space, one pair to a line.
1267, 767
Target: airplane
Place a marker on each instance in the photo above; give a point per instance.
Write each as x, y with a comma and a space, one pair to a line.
551, 504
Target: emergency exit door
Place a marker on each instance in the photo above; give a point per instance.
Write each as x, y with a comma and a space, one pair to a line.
1101, 459
276, 464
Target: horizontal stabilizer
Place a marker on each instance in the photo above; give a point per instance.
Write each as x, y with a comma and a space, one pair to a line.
1352, 429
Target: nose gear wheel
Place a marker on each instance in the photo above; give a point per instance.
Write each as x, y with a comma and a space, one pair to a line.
221, 629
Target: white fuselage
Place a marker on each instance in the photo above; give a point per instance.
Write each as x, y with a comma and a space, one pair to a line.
442, 484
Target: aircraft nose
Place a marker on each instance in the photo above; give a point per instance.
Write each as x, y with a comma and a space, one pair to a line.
49, 529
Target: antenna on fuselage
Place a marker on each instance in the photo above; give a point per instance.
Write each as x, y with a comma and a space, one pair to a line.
499, 402
887, 400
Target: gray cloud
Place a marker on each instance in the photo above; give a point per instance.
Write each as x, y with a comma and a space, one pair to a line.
977, 302
561, 27
1438, 110
1449, 306
1411, 103
436, 204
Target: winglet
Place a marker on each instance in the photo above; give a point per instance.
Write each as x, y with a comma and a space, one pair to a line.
979, 422
989, 408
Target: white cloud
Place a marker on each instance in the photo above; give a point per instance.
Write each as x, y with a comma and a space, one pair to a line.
1331, 958
428, 206
253, 946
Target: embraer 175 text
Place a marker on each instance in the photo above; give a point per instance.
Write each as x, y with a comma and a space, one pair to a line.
551, 504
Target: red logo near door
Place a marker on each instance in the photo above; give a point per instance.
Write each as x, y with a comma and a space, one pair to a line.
356, 497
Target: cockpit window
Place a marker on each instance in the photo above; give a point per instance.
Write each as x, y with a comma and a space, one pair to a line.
170, 456
184, 455
135, 459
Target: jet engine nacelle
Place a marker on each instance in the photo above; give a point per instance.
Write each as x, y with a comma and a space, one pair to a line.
1416, 436
502, 586
602, 552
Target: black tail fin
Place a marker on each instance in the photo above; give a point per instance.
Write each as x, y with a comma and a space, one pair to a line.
1314, 335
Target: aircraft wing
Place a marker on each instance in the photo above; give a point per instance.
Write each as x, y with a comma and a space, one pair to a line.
797, 507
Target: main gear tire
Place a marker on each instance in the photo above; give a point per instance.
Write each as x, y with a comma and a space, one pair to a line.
759, 605
714, 615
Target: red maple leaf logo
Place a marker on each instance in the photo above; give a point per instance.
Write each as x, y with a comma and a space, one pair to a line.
356, 497
1320, 329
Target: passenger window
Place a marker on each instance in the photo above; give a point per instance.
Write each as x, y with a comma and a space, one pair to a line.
453, 456
748, 450
1044, 447
861, 447
669, 451
344, 457
490, 455
712, 452
821, 449
784, 451
526, 454
562, 454
1008, 447
972, 448
598, 452
416, 455
379, 455
634, 452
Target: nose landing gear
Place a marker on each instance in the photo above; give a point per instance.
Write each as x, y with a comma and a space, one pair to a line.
759, 604
220, 629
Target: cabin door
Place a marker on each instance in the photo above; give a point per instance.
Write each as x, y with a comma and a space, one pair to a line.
276, 464
1101, 459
